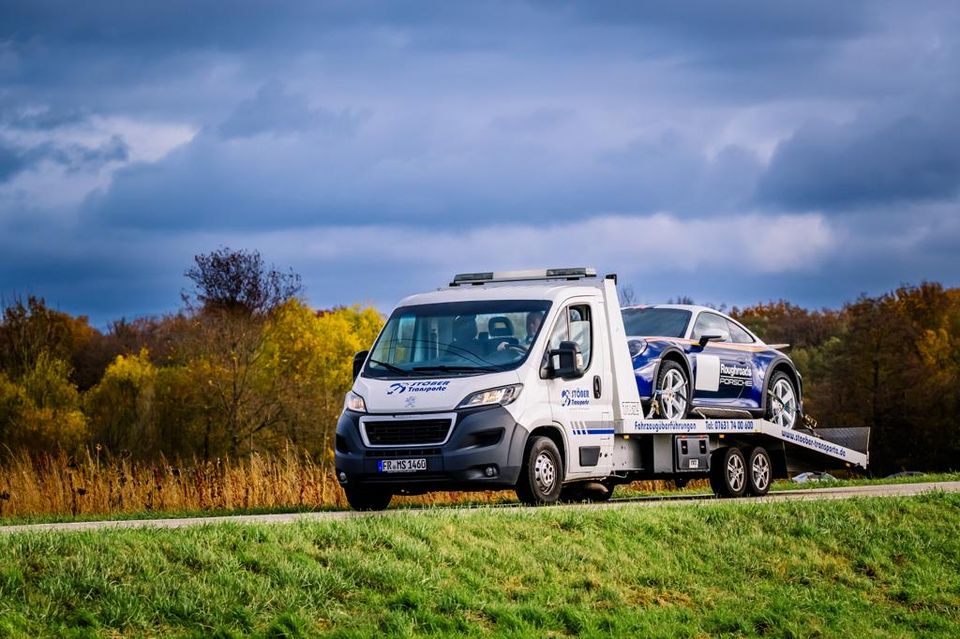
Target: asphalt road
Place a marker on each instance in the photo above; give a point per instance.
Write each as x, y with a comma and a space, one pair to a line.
888, 490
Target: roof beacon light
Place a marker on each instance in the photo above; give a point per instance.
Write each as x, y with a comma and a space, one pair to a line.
477, 279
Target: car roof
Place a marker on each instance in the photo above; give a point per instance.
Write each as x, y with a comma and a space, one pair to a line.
694, 310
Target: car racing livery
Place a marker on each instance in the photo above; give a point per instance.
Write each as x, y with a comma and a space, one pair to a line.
695, 360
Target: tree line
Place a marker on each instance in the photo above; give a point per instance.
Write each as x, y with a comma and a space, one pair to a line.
247, 366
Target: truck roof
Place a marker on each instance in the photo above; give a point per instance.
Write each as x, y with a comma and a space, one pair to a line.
532, 290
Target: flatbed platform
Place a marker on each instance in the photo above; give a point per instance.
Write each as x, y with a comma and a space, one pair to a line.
848, 445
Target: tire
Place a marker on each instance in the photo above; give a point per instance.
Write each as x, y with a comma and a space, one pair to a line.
541, 479
759, 471
673, 391
573, 493
598, 491
783, 408
681, 482
366, 498
728, 472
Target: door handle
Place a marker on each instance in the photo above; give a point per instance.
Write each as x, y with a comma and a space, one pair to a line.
596, 387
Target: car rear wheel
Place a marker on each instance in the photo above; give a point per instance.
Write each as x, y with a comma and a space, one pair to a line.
782, 407
673, 391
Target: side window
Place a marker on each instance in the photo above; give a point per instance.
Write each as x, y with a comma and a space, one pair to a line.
581, 331
738, 335
711, 324
575, 325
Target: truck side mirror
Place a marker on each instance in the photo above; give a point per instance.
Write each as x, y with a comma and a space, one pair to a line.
566, 361
710, 338
358, 361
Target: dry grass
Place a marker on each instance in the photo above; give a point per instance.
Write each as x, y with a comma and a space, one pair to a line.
58, 485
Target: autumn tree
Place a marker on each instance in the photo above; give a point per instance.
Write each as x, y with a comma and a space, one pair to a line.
238, 282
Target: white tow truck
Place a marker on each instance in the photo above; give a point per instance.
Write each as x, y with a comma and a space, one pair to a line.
524, 380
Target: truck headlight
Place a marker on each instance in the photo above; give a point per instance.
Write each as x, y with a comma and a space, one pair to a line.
354, 402
502, 395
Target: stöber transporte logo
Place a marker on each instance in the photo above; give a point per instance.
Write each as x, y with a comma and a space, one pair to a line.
574, 397
426, 386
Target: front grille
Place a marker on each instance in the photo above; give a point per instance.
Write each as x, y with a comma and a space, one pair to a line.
403, 452
407, 432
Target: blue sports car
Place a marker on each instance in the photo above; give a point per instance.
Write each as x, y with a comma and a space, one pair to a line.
693, 360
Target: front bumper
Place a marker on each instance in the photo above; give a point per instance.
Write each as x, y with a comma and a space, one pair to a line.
481, 439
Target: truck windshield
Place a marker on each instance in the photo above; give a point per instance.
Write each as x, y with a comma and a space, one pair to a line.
456, 338
656, 322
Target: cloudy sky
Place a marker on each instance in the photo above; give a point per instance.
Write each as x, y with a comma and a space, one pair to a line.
729, 151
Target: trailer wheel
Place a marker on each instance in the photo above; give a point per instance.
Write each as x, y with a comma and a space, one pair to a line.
541, 479
728, 472
759, 471
362, 497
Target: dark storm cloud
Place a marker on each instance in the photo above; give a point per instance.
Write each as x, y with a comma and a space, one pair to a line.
273, 110
840, 166
133, 135
73, 157
11, 161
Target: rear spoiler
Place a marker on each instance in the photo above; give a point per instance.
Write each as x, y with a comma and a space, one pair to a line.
779, 347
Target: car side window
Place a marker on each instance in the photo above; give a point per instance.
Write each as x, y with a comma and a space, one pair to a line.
738, 335
711, 324
575, 324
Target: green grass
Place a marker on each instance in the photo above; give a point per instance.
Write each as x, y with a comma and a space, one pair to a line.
877, 567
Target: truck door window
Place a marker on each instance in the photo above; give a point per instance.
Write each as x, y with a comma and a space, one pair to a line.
575, 325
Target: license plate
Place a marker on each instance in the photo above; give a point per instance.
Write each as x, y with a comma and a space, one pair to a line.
402, 465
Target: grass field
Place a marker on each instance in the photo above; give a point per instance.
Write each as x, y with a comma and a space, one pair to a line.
878, 567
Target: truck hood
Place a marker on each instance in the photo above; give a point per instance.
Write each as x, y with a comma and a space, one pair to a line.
400, 395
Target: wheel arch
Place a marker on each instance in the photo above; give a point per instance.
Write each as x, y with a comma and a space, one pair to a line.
554, 433
674, 354
786, 366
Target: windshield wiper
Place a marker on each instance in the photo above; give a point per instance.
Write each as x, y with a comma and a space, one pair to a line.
390, 367
456, 369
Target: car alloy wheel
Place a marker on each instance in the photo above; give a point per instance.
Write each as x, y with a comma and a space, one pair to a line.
784, 403
673, 395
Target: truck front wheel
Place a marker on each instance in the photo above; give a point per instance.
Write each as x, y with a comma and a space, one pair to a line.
541, 479
362, 497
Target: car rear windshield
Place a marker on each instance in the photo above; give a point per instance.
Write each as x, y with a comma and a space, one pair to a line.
656, 322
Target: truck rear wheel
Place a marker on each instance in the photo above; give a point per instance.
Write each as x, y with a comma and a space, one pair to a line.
728, 472
759, 471
594, 491
541, 479
362, 497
